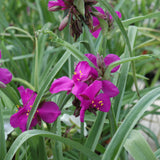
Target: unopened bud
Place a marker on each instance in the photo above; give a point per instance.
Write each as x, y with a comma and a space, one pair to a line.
64, 23
54, 8
100, 61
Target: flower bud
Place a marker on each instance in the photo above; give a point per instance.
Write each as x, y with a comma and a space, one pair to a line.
54, 8
64, 23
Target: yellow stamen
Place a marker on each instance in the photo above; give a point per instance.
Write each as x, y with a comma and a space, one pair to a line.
92, 102
17, 106
94, 105
78, 79
75, 73
30, 106
97, 108
27, 114
80, 71
16, 110
37, 111
100, 102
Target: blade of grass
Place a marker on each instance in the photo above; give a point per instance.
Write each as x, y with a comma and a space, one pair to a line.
115, 146
2, 135
138, 148
140, 18
45, 85
31, 133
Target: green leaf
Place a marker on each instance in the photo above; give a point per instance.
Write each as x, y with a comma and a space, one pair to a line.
123, 76
157, 153
80, 6
124, 60
31, 133
2, 134
138, 148
45, 85
140, 18
115, 146
11, 93
95, 131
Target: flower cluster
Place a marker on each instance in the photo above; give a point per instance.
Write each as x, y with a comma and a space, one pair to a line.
47, 111
92, 92
5, 76
76, 12
105, 16
79, 13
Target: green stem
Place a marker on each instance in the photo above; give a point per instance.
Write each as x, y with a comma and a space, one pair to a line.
82, 156
112, 120
36, 71
26, 83
2, 135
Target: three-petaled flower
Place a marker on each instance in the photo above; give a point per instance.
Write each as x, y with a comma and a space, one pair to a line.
5, 76
47, 111
91, 91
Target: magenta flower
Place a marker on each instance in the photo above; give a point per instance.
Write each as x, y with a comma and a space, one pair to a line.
98, 61
104, 15
83, 73
56, 5
93, 99
91, 92
5, 76
47, 111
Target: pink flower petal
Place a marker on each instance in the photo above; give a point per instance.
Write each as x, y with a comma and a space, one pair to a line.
56, 5
119, 14
28, 96
96, 33
82, 113
110, 58
109, 88
61, 84
20, 118
92, 58
48, 111
5, 75
99, 9
92, 90
103, 102
78, 88
82, 71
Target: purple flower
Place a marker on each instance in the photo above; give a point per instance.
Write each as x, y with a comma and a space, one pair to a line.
98, 61
5, 76
56, 5
83, 73
104, 15
91, 92
47, 111
93, 100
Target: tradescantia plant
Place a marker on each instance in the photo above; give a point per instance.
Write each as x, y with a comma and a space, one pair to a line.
66, 74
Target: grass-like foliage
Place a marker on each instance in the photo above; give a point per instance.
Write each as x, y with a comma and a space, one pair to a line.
67, 73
